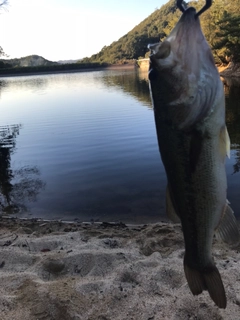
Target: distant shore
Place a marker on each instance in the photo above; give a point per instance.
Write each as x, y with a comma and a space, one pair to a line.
229, 71
109, 67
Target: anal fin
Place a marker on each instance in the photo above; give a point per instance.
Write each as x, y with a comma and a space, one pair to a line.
225, 143
227, 229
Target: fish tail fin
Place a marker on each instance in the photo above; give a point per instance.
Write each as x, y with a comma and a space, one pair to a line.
208, 279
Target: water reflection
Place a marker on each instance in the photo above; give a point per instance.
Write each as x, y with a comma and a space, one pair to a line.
19, 185
232, 94
236, 166
133, 83
93, 137
136, 84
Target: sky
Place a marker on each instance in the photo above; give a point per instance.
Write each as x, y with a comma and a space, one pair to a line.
68, 29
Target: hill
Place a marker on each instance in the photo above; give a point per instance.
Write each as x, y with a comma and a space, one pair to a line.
134, 44
29, 61
220, 24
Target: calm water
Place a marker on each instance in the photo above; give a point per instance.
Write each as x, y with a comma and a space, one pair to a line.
83, 146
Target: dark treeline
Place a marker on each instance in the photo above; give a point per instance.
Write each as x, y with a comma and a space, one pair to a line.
52, 68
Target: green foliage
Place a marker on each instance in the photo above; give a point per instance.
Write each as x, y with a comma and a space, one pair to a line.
227, 38
135, 43
213, 24
220, 25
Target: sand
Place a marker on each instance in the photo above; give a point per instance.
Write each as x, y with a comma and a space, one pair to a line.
63, 271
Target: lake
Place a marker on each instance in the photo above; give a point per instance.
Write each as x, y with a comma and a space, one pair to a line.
83, 146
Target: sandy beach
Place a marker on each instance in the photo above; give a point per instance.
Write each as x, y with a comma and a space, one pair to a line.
102, 271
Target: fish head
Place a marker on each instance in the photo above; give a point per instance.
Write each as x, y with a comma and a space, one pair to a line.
182, 73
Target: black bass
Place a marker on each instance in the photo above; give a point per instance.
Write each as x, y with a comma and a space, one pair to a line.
189, 108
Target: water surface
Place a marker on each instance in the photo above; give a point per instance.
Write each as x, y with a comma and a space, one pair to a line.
83, 146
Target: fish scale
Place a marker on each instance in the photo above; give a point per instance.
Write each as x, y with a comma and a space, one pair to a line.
189, 108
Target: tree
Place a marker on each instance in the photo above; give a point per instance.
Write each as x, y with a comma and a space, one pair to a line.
2, 53
228, 40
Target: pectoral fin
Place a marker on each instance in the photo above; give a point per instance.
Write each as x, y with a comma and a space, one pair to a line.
224, 142
227, 228
171, 213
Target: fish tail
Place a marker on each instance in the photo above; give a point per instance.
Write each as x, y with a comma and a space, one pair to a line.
207, 279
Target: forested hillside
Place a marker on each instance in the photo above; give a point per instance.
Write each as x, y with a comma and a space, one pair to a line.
220, 24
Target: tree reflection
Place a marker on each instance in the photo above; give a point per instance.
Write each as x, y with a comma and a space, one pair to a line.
232, 94
136, 84
19, 185
132, 83
236, 166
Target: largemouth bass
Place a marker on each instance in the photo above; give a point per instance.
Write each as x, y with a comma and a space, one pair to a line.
189, 108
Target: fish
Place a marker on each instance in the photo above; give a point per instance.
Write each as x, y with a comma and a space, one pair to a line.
189, 110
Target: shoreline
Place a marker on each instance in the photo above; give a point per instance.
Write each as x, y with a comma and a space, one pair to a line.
230, 71
111, 67
9, 222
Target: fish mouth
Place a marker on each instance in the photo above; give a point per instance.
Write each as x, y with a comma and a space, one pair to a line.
183, 43
185, 49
